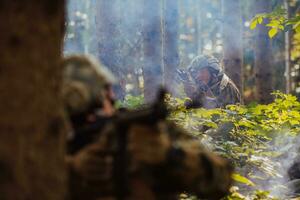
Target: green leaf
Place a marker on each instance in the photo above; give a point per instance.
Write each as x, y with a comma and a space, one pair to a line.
274, 23
273, 32
211, 124
294, 122
281, 27
242, 179
298, 29
253, 24
260, 20
296, 25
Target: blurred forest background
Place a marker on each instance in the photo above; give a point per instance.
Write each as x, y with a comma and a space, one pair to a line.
180, 30
143, 42
258, 42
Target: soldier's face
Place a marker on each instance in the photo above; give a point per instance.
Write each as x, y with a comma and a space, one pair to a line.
108, 104
203, 75
110, 94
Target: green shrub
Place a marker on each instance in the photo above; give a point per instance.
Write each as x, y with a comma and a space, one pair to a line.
258, 139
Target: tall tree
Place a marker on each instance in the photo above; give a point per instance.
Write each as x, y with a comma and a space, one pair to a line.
193, 14
199, 20
170, 41
106, 22
108, 34
263, 57
152, 48
288, 36
31, 122
232, 41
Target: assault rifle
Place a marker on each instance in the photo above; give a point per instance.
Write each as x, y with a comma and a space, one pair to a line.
122, 121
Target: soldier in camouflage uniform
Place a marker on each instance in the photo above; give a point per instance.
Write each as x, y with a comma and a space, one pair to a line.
208, 79
88, 96
89, 103
139, 154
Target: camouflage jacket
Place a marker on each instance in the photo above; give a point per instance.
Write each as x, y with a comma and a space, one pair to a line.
226, 92
220, 94
161, 162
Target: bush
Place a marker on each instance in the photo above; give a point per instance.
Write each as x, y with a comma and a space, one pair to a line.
258, 139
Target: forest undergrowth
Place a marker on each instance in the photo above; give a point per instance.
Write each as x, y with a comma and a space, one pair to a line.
260, 140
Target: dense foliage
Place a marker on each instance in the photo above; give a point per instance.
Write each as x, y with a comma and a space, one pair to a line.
260, 140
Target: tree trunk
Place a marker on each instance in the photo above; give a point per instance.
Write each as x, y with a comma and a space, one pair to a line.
194, 6
106, 23
200, 18
108, 35
152, 48
233, 42
170, 42
263, 57
288, 36
31, 122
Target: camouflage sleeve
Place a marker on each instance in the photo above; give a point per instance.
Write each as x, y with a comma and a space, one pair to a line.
229, 95
168, 161
195, 170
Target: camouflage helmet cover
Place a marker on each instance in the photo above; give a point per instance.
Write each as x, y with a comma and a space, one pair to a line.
203, 61
84, 81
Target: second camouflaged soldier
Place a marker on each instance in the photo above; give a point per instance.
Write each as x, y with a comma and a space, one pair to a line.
208, 78
139, 155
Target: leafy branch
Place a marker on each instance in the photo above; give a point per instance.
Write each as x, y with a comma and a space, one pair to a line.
277, 21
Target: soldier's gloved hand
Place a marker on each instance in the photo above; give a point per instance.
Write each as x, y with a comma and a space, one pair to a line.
182, 75
190, 90
148, 145
92, 163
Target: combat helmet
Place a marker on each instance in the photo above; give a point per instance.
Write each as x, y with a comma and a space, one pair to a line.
203, 61
84, 83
